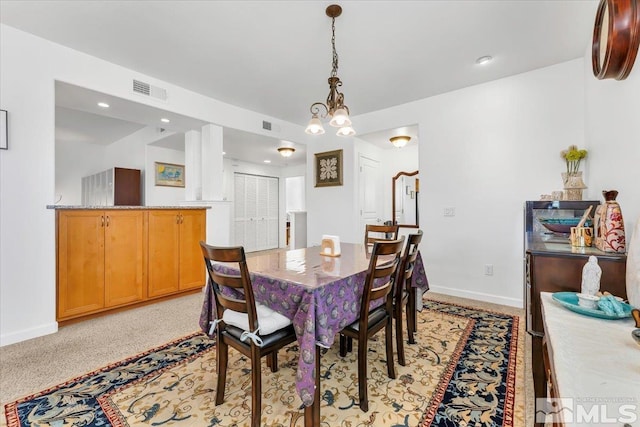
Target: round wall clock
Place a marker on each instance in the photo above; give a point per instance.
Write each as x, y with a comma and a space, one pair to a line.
616, 36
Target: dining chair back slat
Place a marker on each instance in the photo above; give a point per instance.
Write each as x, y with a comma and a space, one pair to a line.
379, 233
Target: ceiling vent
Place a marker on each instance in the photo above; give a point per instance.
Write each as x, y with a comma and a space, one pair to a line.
146, 89
266, 125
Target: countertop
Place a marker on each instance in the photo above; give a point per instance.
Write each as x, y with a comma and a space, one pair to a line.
102, 208
595, 361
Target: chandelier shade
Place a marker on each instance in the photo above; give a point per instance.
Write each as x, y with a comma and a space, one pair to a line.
334, 107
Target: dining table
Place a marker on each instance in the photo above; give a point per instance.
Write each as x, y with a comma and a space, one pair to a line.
320, 294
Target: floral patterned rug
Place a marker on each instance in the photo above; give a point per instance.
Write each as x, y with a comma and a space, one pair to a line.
461, 372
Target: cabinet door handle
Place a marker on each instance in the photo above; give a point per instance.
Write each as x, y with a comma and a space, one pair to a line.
102, 221
181, 219
107, 220
178, 219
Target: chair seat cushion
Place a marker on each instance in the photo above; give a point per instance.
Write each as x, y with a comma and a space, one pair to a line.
375, 316
269, 321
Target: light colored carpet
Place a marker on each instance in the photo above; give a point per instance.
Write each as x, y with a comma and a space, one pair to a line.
43, 362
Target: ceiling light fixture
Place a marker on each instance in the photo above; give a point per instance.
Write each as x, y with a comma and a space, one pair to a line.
286, 151
267, 161
334, 107
163, 120
103, 105
484, 60
400, 141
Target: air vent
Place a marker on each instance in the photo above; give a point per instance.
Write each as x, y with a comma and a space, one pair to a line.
266, 125
146, 89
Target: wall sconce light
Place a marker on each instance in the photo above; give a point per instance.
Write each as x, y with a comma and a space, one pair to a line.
400, 141
286, 151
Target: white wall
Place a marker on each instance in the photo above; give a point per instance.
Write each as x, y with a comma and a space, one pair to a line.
75, 160
613, 139
158, 195
30, 67
484, 150
326, 206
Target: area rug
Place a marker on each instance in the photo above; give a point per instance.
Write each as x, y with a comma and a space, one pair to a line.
462, 371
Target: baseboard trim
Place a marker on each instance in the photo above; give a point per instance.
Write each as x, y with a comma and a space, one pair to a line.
27, 334
480, 296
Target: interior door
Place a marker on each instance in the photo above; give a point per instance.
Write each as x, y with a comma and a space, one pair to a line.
256, 212
371, 193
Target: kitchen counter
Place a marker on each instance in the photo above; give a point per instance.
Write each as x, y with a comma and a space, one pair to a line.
594, 363
80, 207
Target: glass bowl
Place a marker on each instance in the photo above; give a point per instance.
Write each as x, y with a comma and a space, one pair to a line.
562, 225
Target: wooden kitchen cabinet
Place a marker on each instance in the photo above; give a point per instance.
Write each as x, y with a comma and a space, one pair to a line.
175, 258
101, 260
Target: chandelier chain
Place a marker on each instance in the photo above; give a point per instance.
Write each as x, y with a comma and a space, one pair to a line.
334, 71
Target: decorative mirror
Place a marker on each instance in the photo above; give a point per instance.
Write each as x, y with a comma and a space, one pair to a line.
405, 188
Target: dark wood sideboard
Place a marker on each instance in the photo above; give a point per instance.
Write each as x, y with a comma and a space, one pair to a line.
554, 267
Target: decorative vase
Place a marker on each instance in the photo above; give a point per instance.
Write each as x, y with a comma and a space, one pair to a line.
633, 268
609, 224
573, 185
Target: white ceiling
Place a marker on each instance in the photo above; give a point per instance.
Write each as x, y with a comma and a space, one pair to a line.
274, 57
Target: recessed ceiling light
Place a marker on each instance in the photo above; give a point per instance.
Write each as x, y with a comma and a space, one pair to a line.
267, 161
103, 105
484, 60
224, 152
163, 120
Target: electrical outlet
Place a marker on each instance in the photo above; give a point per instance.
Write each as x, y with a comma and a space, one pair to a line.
450, 211
488, 269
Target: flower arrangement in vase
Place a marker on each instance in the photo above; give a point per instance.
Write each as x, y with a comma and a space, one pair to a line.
572, 178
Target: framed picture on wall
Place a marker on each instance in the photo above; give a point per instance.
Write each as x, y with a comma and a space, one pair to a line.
4, 131
329, 168
169, 175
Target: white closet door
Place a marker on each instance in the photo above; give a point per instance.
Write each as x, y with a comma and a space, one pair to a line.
272, 214
256, 212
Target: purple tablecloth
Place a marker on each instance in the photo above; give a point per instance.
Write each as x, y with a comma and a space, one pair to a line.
318, 314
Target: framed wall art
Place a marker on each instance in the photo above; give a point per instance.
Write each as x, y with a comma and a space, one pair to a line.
329, 168
169, 175
4, 131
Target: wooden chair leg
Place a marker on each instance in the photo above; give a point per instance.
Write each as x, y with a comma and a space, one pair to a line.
272, 361
343, 346
391, 367
411, 316
399, 337
222, 358
362, 373
349, 344
256, 388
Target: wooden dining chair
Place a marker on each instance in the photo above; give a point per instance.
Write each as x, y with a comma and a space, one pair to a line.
402, 294
253, 329
376, 233
381, 274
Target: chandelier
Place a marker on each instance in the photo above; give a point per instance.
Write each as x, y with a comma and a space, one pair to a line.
334, 106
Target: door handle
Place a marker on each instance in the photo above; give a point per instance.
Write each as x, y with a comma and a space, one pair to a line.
102, 221
107, 220
178, 219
